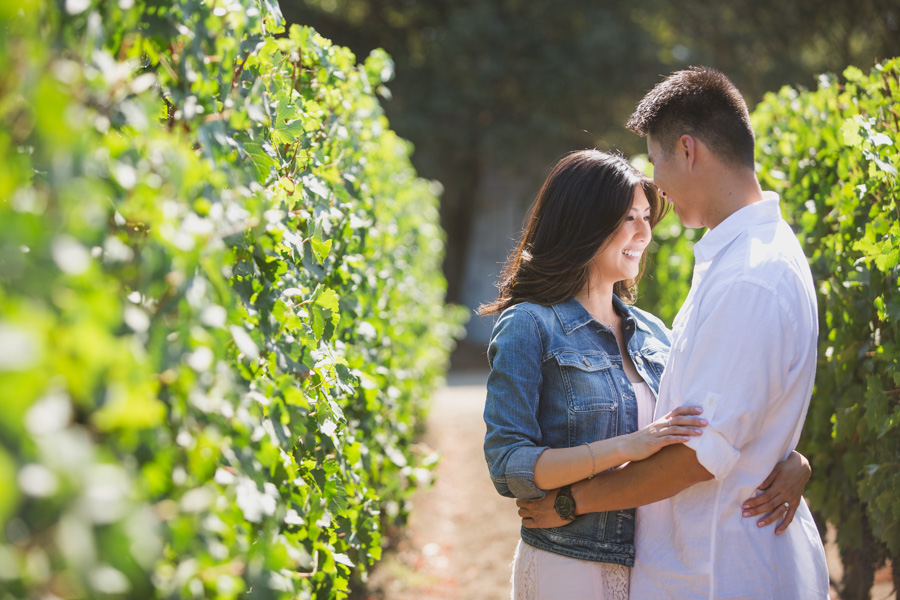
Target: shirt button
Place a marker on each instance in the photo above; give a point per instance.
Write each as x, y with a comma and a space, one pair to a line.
637, 359
586, 362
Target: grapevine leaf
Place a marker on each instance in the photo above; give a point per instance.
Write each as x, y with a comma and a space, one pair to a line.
320, 249
261, 157
288, 126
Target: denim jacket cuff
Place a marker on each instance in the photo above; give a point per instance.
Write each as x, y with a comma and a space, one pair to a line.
520, 472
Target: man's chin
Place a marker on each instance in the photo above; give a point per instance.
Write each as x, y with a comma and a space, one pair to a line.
686, 222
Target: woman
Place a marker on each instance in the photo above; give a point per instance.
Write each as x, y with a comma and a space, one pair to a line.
575, 370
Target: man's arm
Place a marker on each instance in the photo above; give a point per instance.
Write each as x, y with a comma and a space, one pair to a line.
662, 475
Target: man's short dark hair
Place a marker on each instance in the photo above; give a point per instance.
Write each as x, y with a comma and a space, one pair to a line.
701, 102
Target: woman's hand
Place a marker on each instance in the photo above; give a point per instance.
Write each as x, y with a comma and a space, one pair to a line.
676, 427
782, 493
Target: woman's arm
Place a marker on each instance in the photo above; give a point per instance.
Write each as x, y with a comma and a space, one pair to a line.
513, 437
782, 492
556, 467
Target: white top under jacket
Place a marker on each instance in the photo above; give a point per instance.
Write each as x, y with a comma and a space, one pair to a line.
744, 348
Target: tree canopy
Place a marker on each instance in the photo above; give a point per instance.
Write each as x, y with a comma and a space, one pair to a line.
515, 83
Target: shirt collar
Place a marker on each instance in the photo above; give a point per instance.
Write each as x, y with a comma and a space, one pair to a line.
766, 210
572, 314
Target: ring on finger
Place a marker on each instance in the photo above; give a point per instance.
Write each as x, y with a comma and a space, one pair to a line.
787, 506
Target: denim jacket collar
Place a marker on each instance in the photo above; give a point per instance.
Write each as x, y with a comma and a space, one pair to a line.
572, 314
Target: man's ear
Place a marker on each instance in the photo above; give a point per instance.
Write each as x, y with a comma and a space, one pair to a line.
687, 148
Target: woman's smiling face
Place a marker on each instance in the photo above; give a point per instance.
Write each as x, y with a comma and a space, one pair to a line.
620, 258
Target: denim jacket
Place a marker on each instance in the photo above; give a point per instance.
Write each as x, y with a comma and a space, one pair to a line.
557, 381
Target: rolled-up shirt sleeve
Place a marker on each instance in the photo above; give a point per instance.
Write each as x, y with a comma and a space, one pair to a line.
512, 442
715, 451
735, 385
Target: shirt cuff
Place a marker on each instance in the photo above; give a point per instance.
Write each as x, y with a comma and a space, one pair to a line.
713, 449
714, 452
520, 472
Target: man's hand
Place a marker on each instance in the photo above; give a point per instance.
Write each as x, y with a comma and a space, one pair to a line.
540, 514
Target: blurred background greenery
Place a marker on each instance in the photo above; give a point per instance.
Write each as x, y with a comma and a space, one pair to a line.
492, 92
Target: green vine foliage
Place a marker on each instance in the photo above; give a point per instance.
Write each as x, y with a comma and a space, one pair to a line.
221, 305
833, 155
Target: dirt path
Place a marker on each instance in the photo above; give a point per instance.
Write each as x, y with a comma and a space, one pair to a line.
462, 534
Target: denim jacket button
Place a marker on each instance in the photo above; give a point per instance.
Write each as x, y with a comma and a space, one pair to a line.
586, 362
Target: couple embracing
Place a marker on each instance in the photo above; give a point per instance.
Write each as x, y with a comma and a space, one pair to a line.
595, 408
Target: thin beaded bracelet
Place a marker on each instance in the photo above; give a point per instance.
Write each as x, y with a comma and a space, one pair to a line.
593, 461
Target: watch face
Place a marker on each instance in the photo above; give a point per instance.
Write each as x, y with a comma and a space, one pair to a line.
564, 506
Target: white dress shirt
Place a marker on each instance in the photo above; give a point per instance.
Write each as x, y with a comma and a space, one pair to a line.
744, 348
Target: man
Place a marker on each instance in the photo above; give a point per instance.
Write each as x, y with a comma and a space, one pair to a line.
743, 347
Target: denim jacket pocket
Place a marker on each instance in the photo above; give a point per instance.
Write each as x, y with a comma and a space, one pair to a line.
588, 380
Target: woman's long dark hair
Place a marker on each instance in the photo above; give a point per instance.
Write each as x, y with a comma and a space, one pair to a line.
582, 203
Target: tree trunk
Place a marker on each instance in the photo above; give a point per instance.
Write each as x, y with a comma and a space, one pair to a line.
457, 214
859, 564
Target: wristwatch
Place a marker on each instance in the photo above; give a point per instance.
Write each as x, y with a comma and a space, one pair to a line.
565, 503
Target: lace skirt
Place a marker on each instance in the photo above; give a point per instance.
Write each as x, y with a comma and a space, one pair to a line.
541, 575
